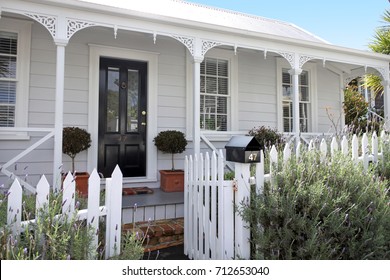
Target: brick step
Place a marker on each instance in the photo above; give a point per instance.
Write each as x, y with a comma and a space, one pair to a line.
159, 233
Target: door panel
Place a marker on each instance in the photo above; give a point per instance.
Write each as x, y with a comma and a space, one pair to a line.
122, 117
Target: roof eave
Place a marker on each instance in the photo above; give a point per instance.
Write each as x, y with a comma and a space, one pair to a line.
212, 27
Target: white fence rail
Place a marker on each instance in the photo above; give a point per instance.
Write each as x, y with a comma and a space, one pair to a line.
213, 230
112, 209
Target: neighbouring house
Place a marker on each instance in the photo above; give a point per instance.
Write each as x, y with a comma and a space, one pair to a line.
125, 70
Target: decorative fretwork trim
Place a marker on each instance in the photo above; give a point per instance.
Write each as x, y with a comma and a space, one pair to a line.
186, 41
50, 22
382, 71
303, 59
207, 45
74, 25
290, 57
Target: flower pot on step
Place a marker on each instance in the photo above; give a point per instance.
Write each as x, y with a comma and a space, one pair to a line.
82, 183
172, 180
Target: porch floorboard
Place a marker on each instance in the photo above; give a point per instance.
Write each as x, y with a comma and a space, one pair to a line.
157, 198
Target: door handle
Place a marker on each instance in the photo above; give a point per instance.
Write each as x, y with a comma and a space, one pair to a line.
143, 123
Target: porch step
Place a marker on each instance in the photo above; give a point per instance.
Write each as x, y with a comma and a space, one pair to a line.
162, 233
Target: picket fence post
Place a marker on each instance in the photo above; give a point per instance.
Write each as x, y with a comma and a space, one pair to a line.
374, 146
242, 229
14, 208
114, 213
93, 210
43, 193
68, 194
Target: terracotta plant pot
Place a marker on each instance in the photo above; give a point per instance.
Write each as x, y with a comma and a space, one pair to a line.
82, 183
172, 180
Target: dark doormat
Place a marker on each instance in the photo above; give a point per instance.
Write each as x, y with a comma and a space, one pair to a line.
170, 253
137, 190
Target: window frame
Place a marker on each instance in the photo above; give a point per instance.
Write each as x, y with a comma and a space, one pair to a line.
23, 30
310, 67
206, 94
232, 124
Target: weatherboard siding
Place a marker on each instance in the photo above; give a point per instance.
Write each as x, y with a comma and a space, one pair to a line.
256, 91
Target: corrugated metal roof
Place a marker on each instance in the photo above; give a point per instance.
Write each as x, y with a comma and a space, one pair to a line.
210, 15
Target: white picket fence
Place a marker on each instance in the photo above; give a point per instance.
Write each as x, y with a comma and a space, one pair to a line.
112, 209
213, 230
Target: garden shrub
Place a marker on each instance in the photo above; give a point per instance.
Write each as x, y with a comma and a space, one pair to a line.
53, 238
267, 136
355, 109
315, 210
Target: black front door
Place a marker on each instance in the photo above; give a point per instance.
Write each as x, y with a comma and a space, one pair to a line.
122, 117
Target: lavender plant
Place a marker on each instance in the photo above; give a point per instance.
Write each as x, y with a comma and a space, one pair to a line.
316, 210
50, 237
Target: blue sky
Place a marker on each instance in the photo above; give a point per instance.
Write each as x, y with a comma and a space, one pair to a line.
345, 23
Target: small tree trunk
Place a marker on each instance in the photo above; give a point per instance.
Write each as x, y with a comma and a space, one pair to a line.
73, 170
173, 164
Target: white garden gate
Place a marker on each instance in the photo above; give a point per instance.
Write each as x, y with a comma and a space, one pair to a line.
212, 228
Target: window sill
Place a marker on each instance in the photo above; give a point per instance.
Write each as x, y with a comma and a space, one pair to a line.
14, 136
222, 136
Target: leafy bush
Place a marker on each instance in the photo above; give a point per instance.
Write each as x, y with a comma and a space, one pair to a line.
355, 109
171, 142
317, 210
75, 140
383, 168
131, 247
267, 136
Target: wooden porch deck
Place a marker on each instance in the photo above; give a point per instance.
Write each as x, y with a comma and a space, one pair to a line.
159, 205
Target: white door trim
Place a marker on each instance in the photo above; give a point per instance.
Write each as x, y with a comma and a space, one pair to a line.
97, 51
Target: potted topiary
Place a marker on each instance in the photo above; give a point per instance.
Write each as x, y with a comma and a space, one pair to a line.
172, 142
74, 141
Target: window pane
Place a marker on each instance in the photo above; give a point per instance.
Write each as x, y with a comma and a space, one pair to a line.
221, 123
304, 94
222, 105
211, 85
211, 66
209, 122
210, 104
286, 79
7, 116
8, 43
132, 100
223, 68
287, 116
202, 84
7, 67
287, 93
304, 116
7, 92
303, 78
112, 100
223, 87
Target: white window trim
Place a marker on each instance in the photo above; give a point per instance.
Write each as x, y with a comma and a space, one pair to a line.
23, 29
233, 95
312, 70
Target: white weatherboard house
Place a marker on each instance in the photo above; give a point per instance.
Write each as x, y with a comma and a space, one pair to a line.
125, 70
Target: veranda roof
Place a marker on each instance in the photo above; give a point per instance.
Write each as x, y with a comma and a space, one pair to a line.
201, 14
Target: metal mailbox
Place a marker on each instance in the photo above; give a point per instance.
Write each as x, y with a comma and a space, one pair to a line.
243, 149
